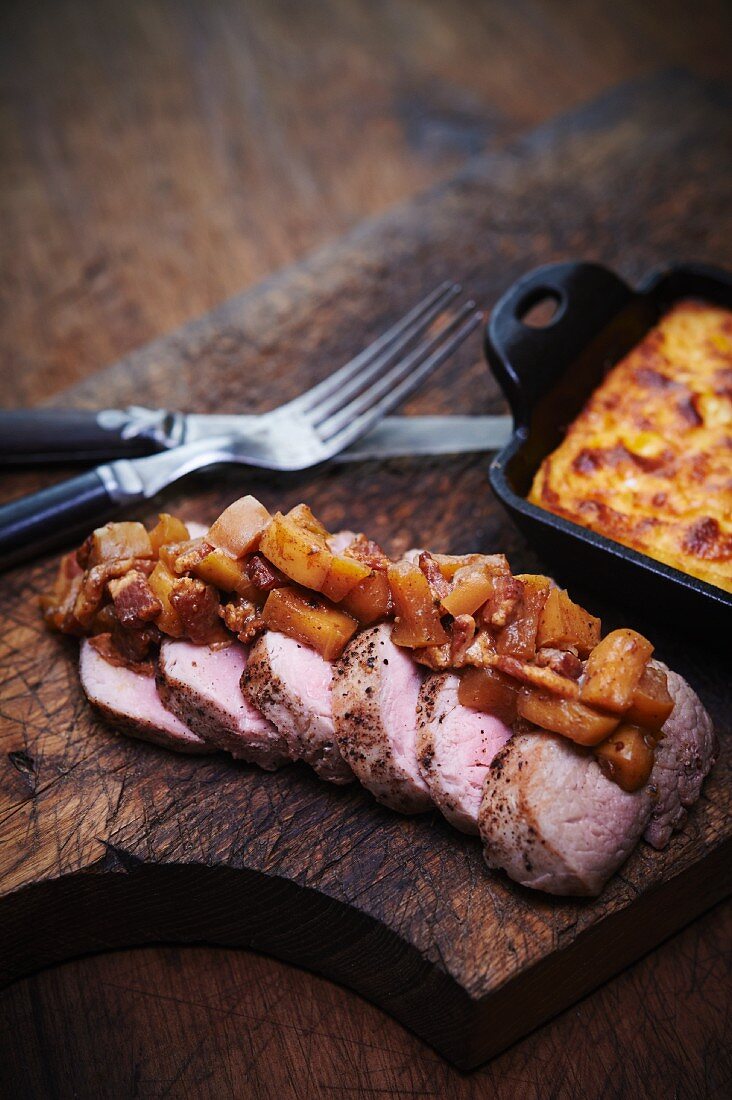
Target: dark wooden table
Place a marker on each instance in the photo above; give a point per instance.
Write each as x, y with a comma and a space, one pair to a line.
156, 159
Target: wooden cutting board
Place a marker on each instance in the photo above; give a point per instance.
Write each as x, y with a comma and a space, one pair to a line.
105, 841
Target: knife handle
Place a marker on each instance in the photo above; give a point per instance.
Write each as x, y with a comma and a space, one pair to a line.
42, 520
32, 436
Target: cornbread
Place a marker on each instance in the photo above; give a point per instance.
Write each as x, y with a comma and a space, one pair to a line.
648, 462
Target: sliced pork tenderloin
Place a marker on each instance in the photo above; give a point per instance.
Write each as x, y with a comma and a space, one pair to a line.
290, 684
684, 757
375, 691
202, 686
130, 702
553, 821
455, 745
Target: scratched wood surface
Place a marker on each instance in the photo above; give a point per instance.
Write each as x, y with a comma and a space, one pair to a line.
107, 842
159, 157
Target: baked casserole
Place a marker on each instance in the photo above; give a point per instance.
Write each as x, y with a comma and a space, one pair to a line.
648, 462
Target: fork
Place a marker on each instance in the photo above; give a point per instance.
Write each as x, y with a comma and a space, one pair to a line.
304, 432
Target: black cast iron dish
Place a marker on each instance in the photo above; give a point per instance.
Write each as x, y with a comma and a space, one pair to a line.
547, 374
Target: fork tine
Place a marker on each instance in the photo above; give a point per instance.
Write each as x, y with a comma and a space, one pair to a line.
391, 388
356, 428
371, 359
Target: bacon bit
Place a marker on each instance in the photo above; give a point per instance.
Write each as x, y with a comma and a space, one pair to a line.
562, 661
368, 553
482, 651
264, 575
242, 618
84, 552
95, 580
437, 657
191, 553
197, 605
544, 678
136, 644
505, 599
58, 605
135, 603
462, 635
435, 579
106, 648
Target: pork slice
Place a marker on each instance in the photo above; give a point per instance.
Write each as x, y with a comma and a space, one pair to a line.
455, 745
552, 820
290, 684
202, 686
684, 757
130, 701
375, 691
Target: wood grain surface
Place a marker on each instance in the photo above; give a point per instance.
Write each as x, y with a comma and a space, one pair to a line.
143, 1023
159, 156
109, 239
108, 842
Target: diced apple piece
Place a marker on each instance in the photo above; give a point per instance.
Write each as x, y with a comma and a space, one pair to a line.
301, 555
343, 575
650, 703
626, 757
495, 564
167, 529
471, 587
223, 571
309, 620
490, 691
370, 600
418, 618
239, 528
569, 717
564, 624
303, 517
162, 581
614, 669
518, 637
119, 540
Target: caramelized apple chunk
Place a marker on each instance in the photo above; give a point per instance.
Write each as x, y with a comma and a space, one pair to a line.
614, 669
626, 756
167, 529
224, 571
449, 564
301, 554
309, 620
370, 600
471, 586
118, 540
518, 636
417, 620
491, 691
343, 575
650, 704
565, 625
570, 717
239, 528
162, 582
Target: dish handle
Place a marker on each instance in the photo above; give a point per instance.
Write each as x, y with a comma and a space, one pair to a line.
543, 322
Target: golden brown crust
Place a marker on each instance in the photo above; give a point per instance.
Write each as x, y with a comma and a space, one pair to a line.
648, 462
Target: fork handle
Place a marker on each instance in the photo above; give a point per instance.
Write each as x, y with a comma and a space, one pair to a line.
42, 520
32, 436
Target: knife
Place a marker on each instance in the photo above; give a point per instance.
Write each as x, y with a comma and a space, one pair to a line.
43, 436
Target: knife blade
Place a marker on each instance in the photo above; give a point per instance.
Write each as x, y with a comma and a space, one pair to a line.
401, 436
44, 436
